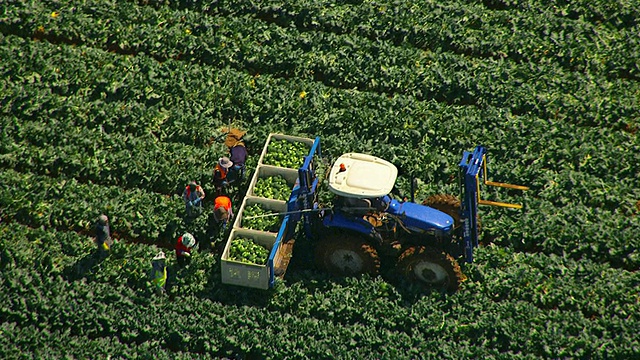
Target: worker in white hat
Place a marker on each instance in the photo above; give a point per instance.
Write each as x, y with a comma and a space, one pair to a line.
184, 247
220, 174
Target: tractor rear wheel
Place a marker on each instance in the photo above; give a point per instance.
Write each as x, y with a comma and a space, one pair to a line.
430, 267
346, 255
446, 203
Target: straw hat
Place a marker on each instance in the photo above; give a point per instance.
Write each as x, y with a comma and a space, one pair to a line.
234, 136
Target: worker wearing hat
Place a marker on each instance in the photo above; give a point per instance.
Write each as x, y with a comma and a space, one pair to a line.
237, 154
159, 272
184, 246
220, 173
103, 235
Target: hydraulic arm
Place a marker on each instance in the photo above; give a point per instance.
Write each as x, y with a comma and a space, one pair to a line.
473, 166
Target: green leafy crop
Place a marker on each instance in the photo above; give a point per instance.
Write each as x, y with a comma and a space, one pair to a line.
272, 187
113, 109
284, 153
264, 223
248, 251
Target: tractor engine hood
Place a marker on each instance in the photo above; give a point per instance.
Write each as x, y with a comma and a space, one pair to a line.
420, 218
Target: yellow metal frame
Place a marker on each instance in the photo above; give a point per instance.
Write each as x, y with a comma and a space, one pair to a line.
497, 184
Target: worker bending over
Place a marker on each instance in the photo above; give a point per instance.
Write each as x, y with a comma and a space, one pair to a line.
184, 247
193, 195
222, 211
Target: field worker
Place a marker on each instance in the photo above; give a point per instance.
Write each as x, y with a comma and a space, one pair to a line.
222, 211
220, 173
159, 273
184, 246
237, 154
193, 195
103, 235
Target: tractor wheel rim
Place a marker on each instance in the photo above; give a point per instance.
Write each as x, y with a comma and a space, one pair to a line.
347, 261
430, 273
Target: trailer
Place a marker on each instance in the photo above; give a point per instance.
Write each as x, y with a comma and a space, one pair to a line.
280, 243
365, 224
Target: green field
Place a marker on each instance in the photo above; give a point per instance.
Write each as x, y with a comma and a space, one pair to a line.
113, 106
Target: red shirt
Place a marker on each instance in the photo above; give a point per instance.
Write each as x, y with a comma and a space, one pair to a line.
181, 249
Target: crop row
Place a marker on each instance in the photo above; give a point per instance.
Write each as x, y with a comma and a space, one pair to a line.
256, 100
102, 91
56, 270
598, 317
124, 94
56, 146
436, 133
552, 228
547, 165
619, 14
401, 121
572, 230
67, 204
537, 34
347, 61
549, 225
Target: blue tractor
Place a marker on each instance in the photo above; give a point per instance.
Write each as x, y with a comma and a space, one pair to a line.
367, 227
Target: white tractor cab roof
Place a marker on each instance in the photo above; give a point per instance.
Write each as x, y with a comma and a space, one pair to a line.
362, 176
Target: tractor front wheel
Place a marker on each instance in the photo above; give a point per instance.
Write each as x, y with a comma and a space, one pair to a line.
430, 267
347, 255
